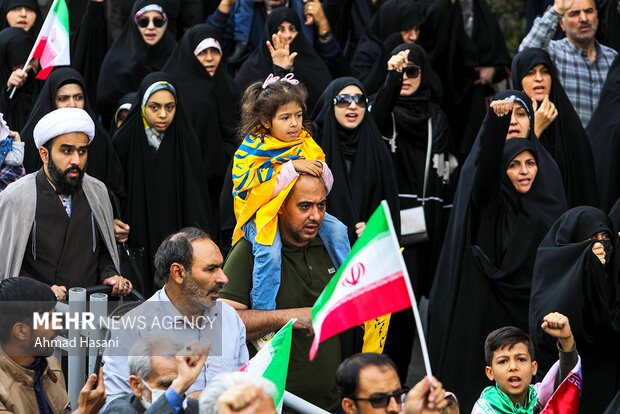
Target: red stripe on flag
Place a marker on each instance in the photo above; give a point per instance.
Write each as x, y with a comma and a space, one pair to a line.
44, 73
377, 300
565, 400
38, 52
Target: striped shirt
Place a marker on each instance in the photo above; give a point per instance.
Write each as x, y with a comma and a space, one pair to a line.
582, 80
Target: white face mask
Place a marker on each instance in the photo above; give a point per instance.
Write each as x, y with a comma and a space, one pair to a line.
155, 394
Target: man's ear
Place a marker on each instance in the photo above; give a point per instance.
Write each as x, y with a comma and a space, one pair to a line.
178, 273
562, 25
44, 154
489, 371
136, 385
348, 405
534, 368
21, 331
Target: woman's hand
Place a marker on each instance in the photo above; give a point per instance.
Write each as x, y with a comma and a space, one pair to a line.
544, 115
502, 107
359, 228
599, 251
312, 167
17, 78
398, 61
280, 52
60, 292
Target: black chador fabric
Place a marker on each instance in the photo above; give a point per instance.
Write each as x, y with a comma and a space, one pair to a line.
308, 66
454, 55
15, 45
608, 32
127, 99
166, 188
62, 250
129, 60
382, 36
7, 5
604, 133
484, 272
103, 163
614, 407
614, 215
564, 138
569, 278
210, 103
358, 189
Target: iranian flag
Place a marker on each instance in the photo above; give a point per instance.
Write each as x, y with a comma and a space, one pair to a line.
271, 361
52, 45
372, 282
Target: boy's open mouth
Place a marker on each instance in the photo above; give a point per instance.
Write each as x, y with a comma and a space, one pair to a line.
514, 381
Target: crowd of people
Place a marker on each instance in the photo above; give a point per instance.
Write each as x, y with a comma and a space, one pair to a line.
223, 158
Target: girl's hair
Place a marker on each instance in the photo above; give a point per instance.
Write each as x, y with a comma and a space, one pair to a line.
258, 103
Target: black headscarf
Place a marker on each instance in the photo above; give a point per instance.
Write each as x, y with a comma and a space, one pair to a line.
128, 100
489, 251
7, 5
308, 66
210, 102
103, 163
570, 279
357, 194
604, 133
129, 60
565, 137
166, 189
608, 32
15, 46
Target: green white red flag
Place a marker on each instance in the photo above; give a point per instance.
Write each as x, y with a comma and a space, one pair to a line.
271, 361
372, 282
52, 44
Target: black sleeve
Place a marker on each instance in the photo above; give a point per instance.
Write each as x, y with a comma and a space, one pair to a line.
89, 46
568, 360
384, 101
106, 266
488, 177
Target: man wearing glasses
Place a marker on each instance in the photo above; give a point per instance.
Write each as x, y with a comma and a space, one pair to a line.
369, 383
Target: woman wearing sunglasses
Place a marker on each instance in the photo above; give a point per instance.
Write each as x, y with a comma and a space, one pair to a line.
143, 47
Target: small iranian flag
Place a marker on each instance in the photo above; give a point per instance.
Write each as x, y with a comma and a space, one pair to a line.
52, 45
271, 361
372, 282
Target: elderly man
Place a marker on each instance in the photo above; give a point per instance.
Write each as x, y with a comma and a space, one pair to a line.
189, 264
31, 380
581, 61
369, 384
238, 392
161, 371
306, 269
56, 224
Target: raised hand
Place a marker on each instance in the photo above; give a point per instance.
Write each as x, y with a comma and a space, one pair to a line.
398, 61
558, 326
502, 107
543, 115
561, 6
280, 52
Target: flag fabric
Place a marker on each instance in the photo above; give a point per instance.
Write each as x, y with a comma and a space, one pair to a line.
372, 282
271, 361
52, 44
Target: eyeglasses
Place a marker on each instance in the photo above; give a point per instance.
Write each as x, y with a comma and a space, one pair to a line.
144, 21
344, 100
381, 400
412, 71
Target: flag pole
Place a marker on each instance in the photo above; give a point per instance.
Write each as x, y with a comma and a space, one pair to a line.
34, 47
414, 303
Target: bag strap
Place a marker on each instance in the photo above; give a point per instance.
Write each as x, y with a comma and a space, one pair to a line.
429, 149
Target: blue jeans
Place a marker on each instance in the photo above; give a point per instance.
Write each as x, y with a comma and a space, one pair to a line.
243, 13
267, 271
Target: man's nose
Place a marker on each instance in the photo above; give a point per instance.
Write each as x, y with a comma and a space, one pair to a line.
393, 406
221, 277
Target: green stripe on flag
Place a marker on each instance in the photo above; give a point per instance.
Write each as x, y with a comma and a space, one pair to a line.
276, 371
62, 13
376, 227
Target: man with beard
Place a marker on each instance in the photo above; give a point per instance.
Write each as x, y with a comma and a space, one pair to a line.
56, 224
306, 269
31, 380
189, 265
582, 62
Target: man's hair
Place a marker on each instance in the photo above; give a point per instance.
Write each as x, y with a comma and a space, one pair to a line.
156, 343
225, 381
508, 336
177, 248
348, 373
20, 298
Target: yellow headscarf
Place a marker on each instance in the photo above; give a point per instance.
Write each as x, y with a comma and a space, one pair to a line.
255, 168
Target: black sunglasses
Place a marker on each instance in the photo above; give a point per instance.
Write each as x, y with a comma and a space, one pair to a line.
381, 400
344, 100
144, 21
412, 71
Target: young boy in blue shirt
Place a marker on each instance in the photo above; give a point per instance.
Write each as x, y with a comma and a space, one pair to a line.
509, 354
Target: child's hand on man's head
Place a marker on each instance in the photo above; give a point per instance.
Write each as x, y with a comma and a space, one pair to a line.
558, 326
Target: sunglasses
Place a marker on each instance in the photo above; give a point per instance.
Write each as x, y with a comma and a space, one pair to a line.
144, 22
344, 100
381, 400
412, 71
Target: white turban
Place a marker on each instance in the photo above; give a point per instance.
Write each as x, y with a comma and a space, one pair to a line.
63, 121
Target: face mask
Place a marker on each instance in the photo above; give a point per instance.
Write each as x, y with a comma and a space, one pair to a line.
155, 394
